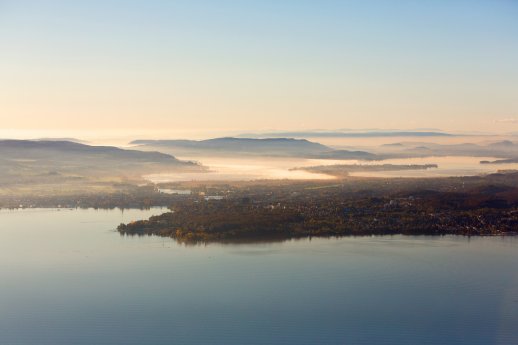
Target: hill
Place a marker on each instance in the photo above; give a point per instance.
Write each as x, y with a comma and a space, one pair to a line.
273, 147
351, 134
269, 146
27, 161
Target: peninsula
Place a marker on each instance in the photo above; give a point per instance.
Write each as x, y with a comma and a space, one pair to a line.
255, 212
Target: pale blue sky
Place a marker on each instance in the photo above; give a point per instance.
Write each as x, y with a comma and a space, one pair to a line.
254, 65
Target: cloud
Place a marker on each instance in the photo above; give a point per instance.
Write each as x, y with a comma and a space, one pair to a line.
507, 120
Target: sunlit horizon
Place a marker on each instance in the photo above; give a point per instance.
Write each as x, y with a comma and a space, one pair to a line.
201, 67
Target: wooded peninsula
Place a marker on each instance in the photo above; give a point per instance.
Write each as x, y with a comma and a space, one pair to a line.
257, 211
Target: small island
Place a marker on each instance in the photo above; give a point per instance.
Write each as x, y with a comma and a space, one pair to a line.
342, 170
501, 161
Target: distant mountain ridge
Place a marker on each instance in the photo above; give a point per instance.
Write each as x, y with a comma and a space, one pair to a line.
55, 162
274, 146
340, 134
35, 148
281, 147
501, 149
74, 140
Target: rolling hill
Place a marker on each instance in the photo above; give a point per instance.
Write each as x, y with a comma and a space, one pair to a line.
272, 147
27, 161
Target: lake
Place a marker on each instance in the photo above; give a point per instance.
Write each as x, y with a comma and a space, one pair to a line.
253, 168
66, 277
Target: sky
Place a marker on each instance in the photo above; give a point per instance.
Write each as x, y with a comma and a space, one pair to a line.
168, 67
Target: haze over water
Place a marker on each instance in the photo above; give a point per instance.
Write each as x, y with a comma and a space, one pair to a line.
250, 167
237, 169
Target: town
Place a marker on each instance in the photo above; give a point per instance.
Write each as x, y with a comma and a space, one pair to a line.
280, 209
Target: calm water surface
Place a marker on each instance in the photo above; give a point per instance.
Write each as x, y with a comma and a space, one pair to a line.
67, 278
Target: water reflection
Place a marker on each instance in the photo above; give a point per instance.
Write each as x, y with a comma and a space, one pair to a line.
68, 278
